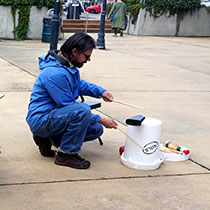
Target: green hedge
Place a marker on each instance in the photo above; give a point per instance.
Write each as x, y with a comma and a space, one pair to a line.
108, 8
20, 3
157, 8
21, 30
133, 7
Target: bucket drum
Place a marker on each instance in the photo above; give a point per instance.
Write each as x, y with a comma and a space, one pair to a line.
148, 135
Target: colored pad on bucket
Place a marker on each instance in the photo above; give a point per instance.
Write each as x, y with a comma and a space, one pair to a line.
93, 104
136, 120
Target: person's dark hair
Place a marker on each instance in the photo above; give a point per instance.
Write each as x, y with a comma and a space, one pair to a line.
81, 41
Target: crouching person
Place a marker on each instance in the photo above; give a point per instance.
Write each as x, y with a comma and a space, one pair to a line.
54, 114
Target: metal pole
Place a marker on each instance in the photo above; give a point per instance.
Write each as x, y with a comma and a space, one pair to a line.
55, 26
100, 43
86, 25
74, 5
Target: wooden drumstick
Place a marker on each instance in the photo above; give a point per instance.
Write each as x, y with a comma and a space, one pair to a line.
127, 104
167, 150
175, 147
130, 138
163, 149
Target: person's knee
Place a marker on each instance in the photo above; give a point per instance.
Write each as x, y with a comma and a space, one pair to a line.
97, 130
85, 109
82, 111
100, 129
94, 131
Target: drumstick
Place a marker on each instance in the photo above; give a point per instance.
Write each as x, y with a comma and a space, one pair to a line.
163, 149
175, 147
168, 150
130, 138
131, 105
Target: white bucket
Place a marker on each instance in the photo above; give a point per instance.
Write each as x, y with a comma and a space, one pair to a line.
148, 136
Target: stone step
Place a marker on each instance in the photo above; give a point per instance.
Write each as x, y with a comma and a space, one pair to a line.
93, 26
84, 21
89, 30
73, 25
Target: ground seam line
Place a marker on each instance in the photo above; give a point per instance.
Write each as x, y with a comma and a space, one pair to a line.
10, 62
104, 179
199, 164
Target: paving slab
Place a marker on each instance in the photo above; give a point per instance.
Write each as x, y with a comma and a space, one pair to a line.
153, 193
13, 79
21, 160
169, 77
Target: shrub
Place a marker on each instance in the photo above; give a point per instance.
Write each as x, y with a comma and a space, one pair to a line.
157, 8
21, 30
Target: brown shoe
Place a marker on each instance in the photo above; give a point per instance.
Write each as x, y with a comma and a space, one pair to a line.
71, 160
44, 145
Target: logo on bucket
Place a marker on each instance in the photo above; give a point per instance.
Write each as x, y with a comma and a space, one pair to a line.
150, 147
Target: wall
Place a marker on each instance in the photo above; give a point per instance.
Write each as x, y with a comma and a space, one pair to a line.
35, 22
195, 24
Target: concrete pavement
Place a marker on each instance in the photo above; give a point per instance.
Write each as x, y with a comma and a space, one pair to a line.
168, 76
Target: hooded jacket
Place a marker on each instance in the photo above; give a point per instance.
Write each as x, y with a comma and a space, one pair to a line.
57, 85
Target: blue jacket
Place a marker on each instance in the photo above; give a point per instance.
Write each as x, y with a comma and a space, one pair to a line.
56, 86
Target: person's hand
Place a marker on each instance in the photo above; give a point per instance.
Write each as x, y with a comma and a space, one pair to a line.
107, 96
108, 17
108, 122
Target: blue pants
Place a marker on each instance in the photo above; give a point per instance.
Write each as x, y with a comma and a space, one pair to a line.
70, 126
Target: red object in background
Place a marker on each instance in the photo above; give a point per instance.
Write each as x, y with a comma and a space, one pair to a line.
97, 8
121, 149
94, 9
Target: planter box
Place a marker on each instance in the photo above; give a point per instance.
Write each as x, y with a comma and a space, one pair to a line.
193, 24
35, 22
